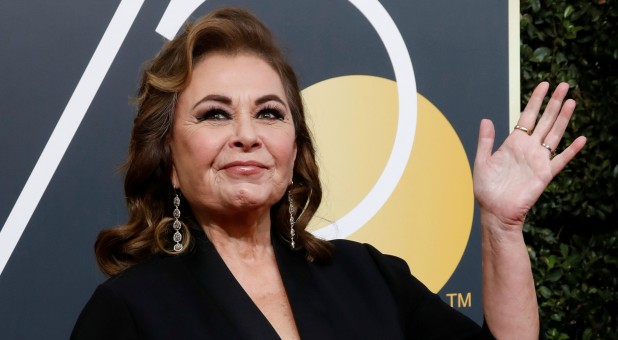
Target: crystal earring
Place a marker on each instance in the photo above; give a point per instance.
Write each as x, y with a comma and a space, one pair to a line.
292, 221
177, 225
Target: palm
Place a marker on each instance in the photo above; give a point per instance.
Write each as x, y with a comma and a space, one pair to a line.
508, 182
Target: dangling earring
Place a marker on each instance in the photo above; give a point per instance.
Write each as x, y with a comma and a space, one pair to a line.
292, 221
176, 224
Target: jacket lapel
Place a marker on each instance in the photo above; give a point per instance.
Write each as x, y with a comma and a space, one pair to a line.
226, 293
313, 316
315, 319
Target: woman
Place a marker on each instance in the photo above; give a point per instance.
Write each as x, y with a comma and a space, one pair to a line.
222, 181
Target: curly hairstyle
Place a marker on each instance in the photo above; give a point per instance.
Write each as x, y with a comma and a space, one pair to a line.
147, 184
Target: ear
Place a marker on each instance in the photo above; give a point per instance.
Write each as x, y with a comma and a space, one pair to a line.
295, 153
174, 177
294, 161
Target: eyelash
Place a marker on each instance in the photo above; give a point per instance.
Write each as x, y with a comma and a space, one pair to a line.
216, 113
273, 110
210, 114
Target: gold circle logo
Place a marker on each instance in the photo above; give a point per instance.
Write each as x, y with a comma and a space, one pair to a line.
394, 170
428, 217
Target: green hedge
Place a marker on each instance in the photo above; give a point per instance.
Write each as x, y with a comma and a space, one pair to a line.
572, 232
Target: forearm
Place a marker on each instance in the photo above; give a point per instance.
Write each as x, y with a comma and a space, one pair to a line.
509, 297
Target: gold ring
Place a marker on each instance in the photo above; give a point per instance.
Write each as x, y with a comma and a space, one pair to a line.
526, 130
551, 151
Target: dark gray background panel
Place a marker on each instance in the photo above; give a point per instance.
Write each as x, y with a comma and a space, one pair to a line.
459, 54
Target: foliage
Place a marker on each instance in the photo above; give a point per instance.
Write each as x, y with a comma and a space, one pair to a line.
571, 232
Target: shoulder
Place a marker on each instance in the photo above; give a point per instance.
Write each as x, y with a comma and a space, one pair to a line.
346, 250
144, 284
119, 305
423, 313
394, 271
356, 258
155, 268
143, 281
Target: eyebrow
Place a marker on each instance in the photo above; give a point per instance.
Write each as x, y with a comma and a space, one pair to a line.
228, 101
268, 98
214, 97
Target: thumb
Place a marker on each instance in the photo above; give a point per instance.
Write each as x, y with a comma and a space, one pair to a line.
485, 144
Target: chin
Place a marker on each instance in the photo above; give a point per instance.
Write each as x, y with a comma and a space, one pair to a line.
247, 199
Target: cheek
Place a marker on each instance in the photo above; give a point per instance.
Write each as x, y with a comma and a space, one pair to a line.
287, 156
195, 151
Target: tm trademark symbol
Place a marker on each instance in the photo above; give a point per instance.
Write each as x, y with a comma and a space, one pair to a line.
459, 300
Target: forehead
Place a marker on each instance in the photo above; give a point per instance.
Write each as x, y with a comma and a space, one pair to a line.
233, 75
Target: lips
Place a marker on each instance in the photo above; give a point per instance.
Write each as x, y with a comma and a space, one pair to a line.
244, 167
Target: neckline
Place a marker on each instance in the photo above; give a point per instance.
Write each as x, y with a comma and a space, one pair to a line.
235, 303
218, 282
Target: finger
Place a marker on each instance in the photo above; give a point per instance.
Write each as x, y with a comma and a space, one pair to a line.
528, 116
557, 131
485, 144
561, 160
547, 120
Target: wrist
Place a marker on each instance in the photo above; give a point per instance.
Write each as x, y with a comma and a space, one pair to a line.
498, 232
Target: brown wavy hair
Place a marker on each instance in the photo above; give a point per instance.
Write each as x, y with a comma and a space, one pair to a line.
147, 185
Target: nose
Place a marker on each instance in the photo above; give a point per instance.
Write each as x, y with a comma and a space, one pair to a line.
246, 137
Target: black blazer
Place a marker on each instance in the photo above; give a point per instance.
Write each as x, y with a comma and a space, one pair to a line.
361, 294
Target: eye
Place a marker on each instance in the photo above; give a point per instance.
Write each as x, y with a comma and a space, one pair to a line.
213, 114
270, 113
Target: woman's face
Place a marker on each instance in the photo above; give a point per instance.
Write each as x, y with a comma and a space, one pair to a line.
233, 140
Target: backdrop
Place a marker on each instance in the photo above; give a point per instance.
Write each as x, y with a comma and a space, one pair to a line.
395, 91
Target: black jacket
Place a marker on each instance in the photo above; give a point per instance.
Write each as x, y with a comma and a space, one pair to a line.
361, 294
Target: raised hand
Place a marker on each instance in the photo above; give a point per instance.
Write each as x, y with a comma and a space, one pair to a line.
509, 181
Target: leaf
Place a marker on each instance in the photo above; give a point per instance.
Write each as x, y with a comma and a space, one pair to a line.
554, 275
551, 261
541, 54
564, 250
545, 292
560, 58
568, 11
